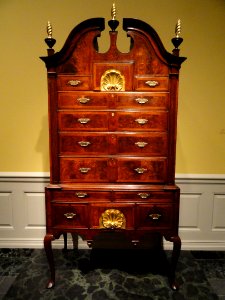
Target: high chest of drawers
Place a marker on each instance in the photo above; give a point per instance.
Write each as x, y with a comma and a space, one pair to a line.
112, 130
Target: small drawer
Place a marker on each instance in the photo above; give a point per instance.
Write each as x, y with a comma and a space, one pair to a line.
151, 144
83, 143
151, 83
144, 196
73, 83
69, 216
83, 100
143, 100
83, 121
160, 216
142, 170
84, 170
81, 195
137, 121
112, 216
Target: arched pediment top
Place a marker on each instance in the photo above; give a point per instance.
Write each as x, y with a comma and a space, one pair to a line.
131, 26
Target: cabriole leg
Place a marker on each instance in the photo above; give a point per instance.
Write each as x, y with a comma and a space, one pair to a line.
174, 259
48, 250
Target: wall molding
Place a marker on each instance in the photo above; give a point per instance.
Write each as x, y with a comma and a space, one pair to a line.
22, 211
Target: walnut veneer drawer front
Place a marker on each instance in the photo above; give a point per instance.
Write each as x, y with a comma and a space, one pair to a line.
83, 143
73, 83
142, 144
79, 195
83, 100
142, 170
69, 215
84, 169
142, 100
155, 216
115, 215
83, 121
152, 83
144, 196
137, 121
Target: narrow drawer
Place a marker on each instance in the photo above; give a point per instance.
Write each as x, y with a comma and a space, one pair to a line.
142, 170
83, 100
144, 196
69, 215
112, 216
160, 216
73, 83
80, 195
137, 121
153, 144
141, 100
83, 170
83, 143
84, 121
151, 83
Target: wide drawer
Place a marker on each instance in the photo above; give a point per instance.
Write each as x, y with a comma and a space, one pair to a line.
97, 121
73, 83
80, 195
137, 144
152, 83
142, 170
69, 215
152, 216
112, 216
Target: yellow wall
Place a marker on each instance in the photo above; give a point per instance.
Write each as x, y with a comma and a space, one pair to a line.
23, 88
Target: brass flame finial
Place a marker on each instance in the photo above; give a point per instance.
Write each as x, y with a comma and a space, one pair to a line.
113, 11
49, 30
178, 28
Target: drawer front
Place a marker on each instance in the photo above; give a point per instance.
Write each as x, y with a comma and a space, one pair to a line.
145, 100
83, 100
144, 196
84, 169
137, 121
83, 143
154, 144
142, 170
79, 196
70, 216
154, 216
73, 83
152, 83
84, 121
112, 216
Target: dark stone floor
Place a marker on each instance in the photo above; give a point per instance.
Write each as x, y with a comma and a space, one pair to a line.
106, 274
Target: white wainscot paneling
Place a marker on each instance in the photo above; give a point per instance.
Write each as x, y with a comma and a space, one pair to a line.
189, 211
218, 223
35, 204
6, 210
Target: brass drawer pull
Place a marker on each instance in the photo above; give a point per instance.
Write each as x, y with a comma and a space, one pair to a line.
144, 195
81, 194
155, 216
84, 143
83, 100
141, 121
141, 100
141, 144
140, 170
84, 170
70, 215
152, 83
73, 82
84, 120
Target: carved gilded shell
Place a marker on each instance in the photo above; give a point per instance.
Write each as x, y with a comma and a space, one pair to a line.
112, 219
112, 80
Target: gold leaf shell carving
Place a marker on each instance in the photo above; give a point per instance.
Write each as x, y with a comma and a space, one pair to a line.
112, 80
112, 219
